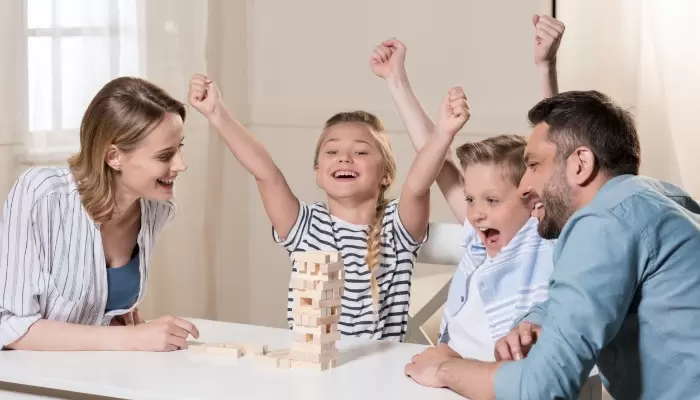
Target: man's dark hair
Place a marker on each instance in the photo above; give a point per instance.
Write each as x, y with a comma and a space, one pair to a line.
593, 120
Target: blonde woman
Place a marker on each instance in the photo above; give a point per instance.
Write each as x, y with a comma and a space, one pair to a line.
75, 242
378, 237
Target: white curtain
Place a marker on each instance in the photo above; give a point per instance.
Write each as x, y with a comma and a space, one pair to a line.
646, 55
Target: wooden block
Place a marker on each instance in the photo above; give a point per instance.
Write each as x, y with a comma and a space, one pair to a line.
313, 257
216, 350
314, 357
298, 284
329, 285
309, 347
334, 302
309, 365
332, 267
300, 267
307, 294
319, 321
326, 338
317, 330
305, 338
275, 359
253, 349
284, 363
310, 310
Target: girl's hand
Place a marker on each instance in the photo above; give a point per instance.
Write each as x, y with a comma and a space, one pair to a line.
204, 96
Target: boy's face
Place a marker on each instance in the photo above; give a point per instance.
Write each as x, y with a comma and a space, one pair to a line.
494, 206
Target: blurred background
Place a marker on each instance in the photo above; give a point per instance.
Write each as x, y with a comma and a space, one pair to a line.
284, 67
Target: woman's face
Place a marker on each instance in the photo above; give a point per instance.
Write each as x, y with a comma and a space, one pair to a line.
150, 170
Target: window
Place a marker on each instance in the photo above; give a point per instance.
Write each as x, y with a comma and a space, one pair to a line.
74, 47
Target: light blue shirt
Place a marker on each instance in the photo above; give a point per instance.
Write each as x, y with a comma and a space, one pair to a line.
509, 283
625, 294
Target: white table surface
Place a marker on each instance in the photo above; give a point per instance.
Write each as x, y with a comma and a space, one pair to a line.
368, 369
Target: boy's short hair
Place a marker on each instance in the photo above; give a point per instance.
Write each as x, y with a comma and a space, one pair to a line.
506, 151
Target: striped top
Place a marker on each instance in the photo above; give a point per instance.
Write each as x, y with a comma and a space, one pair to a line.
508, 284
315, 229
52, 264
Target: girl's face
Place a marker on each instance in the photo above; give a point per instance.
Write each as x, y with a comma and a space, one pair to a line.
350, 163
150, 170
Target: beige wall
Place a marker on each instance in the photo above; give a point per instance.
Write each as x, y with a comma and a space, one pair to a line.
310, 60
285, 67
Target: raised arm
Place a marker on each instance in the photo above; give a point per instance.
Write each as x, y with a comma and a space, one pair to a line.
414, 203
548, 34
280, 203
387, 61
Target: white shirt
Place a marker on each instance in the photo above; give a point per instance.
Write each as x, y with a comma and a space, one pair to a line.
316, 229
52, 263
469, 331
507, 285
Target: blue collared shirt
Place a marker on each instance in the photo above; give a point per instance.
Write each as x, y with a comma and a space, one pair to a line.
625, 295
509, 283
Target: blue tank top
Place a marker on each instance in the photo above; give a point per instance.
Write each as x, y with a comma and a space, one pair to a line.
123, 284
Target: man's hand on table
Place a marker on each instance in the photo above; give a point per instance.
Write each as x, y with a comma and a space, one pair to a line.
424, 366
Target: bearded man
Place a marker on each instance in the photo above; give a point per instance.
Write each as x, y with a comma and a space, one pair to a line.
625, 291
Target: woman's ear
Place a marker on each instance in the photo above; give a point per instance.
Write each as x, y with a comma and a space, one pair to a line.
113, 158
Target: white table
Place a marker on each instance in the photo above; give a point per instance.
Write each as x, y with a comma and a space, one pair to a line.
368, 369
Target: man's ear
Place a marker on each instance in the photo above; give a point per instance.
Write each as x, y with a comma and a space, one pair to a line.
582, 166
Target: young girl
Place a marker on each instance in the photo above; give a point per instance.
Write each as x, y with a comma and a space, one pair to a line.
377, 237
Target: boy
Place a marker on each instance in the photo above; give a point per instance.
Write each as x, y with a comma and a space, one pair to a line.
506, 265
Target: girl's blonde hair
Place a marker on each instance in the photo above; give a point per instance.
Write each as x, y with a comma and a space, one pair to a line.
376, 128
122, 113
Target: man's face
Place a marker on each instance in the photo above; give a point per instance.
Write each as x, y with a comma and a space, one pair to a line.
546, 181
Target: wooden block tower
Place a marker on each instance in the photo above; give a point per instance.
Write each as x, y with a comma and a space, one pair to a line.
317, 288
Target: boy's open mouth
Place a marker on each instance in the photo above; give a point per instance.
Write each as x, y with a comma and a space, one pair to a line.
489, 236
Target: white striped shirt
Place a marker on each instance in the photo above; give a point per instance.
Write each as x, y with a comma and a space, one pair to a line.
508, 284
52, 264
316, 229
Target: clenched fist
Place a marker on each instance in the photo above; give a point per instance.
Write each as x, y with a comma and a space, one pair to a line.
388, 58
454, 113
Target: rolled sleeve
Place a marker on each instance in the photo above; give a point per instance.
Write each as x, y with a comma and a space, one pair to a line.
403, 237
534, 316
594, 281
19, 259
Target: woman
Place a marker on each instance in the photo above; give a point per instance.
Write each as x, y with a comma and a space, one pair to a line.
76, 241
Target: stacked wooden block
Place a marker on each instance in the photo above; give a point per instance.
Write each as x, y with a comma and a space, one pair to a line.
317, 288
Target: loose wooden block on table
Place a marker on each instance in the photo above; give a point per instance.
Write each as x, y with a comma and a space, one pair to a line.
229, 349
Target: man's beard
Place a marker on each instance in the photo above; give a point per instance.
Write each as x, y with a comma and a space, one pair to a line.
556, 200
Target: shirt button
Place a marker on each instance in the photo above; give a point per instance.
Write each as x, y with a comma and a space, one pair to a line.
462, 298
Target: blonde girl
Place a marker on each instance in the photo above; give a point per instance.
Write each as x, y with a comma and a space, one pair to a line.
378, 237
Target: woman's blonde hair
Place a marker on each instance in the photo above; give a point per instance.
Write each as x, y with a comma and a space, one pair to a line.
122, 113
376, 128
